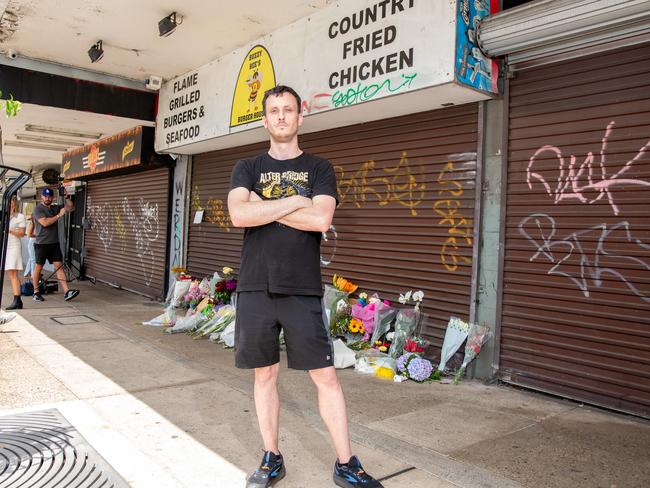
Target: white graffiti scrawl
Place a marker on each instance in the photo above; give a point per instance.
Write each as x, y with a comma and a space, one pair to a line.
145, 228
101, 218
590, 252
590, 177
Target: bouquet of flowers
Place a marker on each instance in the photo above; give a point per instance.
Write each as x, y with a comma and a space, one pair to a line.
407, 322
218, 321
415, 345
413, 367
225, 287
194, 295
335, 297
384, 316
477, 336
339, 325
455, 335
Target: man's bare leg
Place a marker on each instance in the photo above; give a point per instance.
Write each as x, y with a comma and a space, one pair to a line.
60, 275
331, 404
36, 276
267, 405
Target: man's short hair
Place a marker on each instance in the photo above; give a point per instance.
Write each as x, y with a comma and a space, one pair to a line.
278, 90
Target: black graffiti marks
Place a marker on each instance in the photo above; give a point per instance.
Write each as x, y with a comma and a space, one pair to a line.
590, 252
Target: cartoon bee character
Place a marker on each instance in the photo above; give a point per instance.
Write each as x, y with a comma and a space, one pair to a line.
254, 83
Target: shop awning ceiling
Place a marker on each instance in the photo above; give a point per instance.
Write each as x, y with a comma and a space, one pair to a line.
551, 30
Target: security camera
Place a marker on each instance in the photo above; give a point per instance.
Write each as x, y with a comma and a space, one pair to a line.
153, 82
11, 54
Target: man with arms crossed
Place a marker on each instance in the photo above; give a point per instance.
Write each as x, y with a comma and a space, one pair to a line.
285, 199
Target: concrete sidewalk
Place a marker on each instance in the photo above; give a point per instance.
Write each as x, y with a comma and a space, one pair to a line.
169, 411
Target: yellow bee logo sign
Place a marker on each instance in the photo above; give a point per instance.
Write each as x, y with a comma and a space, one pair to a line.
255, 77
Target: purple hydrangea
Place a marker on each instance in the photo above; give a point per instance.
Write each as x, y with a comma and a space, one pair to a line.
402, 360
419, 369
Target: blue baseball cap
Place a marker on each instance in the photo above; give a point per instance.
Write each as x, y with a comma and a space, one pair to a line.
47, 192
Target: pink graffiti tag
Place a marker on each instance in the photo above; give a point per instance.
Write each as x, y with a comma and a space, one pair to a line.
570, 182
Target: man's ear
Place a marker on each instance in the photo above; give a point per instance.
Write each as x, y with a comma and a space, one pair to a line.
265, 122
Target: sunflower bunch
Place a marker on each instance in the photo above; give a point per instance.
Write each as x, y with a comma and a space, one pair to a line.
356, 327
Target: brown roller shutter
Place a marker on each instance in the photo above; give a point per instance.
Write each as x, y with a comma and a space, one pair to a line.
576, 299
405, 219
127, 241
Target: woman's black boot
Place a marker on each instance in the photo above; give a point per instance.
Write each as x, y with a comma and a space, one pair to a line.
16, 304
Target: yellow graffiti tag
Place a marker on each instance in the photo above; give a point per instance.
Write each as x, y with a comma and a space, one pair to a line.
459, 227
196, 199
216, 214
119, 225
391, 184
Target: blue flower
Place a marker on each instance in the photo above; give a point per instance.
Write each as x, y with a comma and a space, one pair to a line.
419, 369
402, 360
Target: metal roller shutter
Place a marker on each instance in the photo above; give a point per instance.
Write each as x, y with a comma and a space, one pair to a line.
576, 299
126, 244
405, 219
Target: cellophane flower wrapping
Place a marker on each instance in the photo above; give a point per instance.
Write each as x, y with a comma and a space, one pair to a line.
188, 323
455, 335
181, 287
331, 297
405, 325
371, 361
165, 319
217, 322
478, 335
366, 315
384, 315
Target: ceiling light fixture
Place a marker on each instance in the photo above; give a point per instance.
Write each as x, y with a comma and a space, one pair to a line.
62, 132
52, 140
33, 145
168, 25
96, 52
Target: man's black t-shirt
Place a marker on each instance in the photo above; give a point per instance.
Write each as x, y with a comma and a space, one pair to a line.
275, 257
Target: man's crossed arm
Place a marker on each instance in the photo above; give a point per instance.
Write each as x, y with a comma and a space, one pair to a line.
247, 209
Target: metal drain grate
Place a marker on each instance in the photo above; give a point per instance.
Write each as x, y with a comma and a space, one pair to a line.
42, 450
73, 319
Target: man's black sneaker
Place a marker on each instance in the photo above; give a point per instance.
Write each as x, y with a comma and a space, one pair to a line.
352, 475
38, 297
270, 471
70, 294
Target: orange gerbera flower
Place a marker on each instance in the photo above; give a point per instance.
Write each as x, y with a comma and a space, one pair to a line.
342, 284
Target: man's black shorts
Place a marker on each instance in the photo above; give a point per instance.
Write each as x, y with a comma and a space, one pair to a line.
47, 252
261, 316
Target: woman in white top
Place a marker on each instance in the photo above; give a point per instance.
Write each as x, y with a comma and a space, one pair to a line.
14, 256
29, 232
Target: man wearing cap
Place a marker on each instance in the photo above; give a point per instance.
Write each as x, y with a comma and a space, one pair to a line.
46, 243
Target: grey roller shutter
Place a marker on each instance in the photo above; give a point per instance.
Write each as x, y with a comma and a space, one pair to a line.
126, 243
